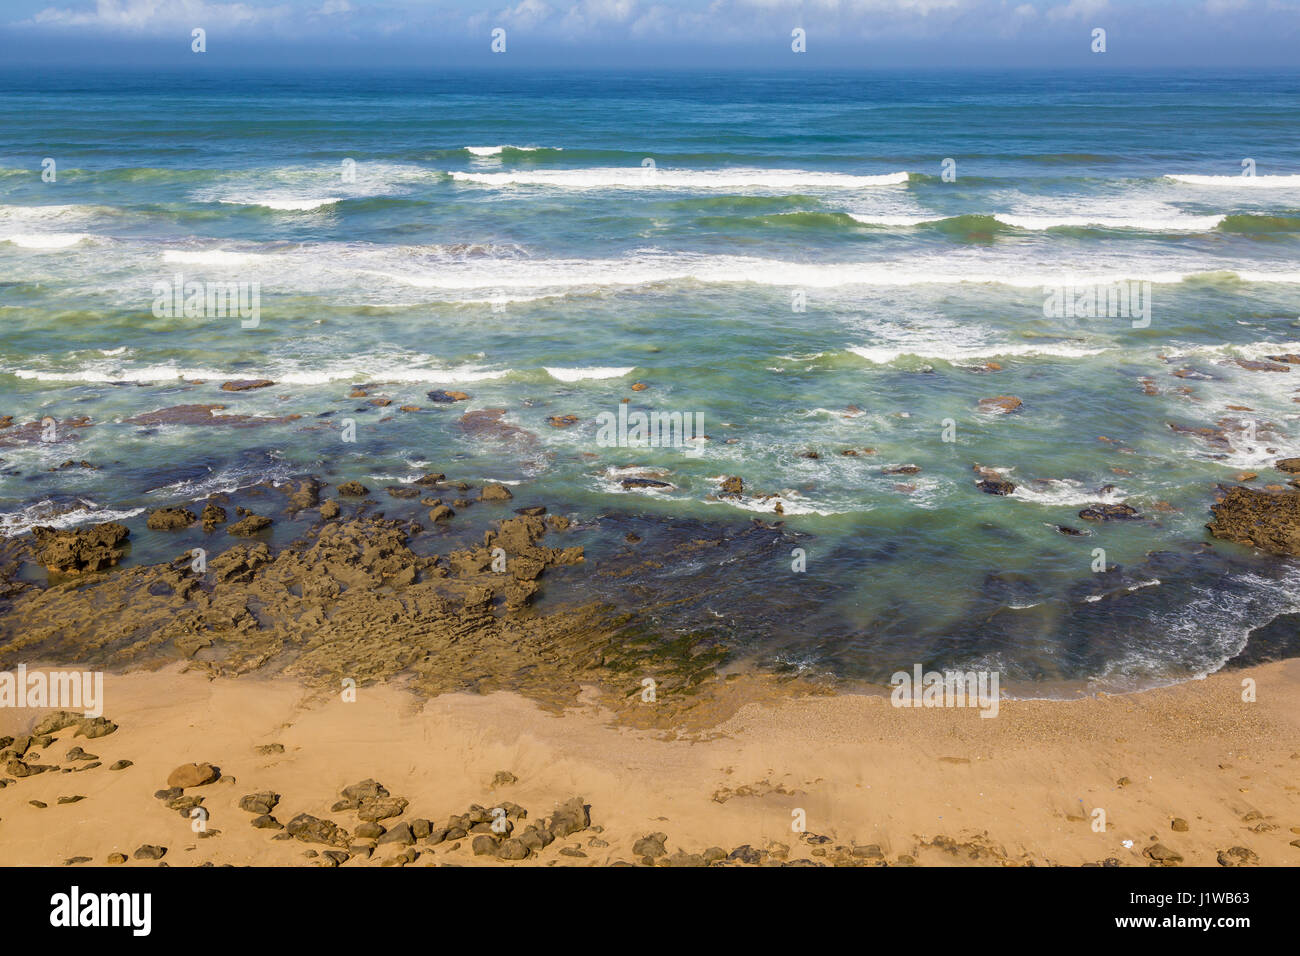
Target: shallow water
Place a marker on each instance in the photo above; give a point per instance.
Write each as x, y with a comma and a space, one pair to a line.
548, 276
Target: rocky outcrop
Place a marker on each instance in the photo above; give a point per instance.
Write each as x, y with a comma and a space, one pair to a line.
1266, 520
168, 519
75, 551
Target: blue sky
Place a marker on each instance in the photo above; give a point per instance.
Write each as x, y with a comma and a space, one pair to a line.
647, 33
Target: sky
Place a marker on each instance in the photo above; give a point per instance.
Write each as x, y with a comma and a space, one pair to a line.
649, 34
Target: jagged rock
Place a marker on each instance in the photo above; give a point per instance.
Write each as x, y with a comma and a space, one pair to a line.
245, 385
995, 486
212, 516
248, 526
447, 397
309, 829
150, 852
569, 817
75, 551
353, 489
1265, 520
495, 492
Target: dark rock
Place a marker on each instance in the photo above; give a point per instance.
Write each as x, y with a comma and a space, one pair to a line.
262, 802
245, 385
484, 845
399, 834
1101, 512
447, 397
651, 845
995, 486
569, 817
150, 852
745, 854
309, 829
644, 483
1238, 856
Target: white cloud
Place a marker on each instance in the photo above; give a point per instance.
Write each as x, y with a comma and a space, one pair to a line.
156, 16
1078, 9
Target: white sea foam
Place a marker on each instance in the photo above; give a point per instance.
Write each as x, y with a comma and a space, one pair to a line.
47, 514
48, 240
581, 374
1238, 182
1176, 223
497, 150
378, 369
883, 356
1064, 492
210, 257
285, 204
643, 178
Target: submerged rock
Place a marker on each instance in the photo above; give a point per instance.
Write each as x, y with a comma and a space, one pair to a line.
1000, 404
1120, 512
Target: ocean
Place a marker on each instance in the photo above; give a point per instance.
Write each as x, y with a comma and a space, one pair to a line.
826, 272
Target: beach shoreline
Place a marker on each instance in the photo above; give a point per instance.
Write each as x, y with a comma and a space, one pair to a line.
874, 784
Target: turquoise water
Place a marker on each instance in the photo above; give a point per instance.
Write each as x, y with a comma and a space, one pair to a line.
796, 270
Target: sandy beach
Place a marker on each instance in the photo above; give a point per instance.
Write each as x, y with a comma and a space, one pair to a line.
878, 784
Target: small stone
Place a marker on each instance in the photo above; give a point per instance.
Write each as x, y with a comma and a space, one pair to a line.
150, 852
1179, 825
